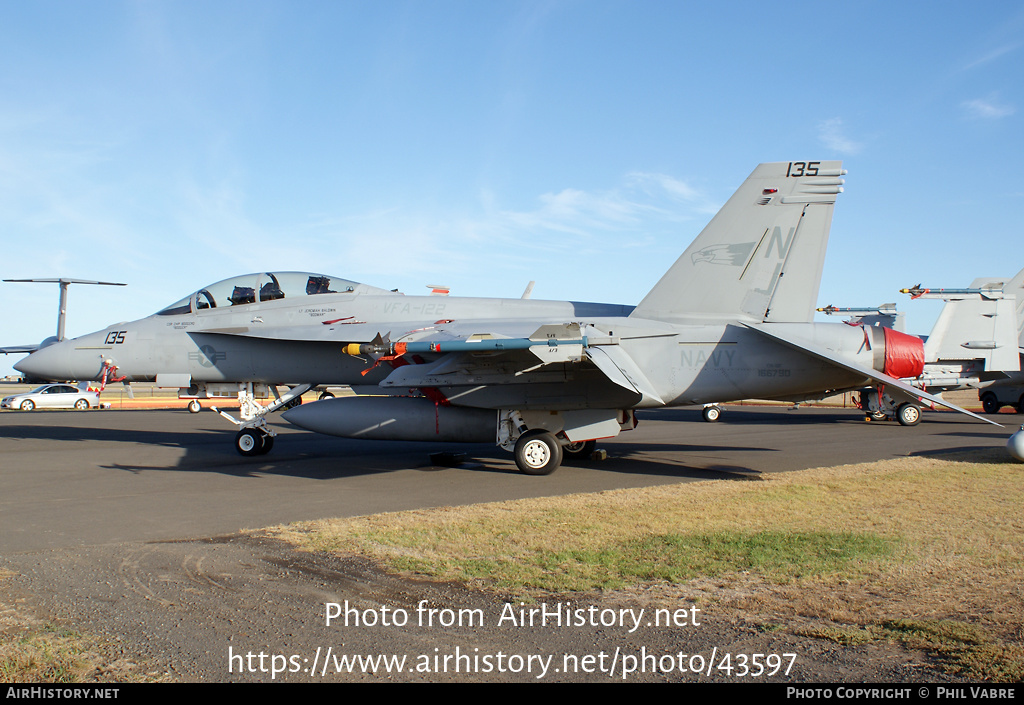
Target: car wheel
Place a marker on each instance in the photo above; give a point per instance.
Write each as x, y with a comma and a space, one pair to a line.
82, 404
580, 450
194, 407
538, 453
27, 405
712, 413
990, 404
908, 414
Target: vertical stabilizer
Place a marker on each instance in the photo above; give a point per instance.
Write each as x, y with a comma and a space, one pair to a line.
760, 258
986, 326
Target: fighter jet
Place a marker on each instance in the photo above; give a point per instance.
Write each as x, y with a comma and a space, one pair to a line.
977, 341
731, 319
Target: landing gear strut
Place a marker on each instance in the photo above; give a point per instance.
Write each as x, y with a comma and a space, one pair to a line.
253, 437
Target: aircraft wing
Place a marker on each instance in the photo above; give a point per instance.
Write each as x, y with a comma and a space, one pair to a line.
364, 332
19, 349
823, 354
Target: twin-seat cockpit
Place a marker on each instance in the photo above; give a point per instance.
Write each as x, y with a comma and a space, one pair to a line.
257, 288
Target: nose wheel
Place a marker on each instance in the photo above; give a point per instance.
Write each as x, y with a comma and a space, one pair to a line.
253, 441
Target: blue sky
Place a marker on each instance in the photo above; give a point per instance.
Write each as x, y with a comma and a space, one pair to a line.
481, 145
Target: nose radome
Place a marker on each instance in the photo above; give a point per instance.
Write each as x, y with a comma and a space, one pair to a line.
61, 361
45, 363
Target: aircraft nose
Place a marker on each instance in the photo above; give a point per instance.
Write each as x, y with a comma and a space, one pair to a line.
45, 363
56, 362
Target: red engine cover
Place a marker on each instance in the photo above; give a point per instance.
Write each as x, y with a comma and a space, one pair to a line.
904, 354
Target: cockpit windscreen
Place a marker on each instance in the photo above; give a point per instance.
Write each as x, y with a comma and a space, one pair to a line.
258, 288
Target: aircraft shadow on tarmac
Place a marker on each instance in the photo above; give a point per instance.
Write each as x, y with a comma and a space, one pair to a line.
312, 456
307, 455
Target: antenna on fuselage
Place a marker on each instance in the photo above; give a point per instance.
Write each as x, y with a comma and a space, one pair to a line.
62, 311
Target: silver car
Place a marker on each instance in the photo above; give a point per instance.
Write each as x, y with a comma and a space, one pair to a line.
53, 396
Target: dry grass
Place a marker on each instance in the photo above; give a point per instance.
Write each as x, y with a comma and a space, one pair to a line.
933, 544
32, 651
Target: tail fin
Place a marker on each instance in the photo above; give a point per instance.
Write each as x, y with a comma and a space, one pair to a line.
1015, 288
760, 258
988, 327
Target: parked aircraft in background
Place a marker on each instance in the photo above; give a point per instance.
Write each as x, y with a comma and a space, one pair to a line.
61, 312
977, 341
730, 320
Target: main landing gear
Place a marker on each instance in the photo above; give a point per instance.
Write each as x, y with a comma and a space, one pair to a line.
879, 409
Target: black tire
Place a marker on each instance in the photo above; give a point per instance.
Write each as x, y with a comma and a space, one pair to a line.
1020, 404
268, 443
908, 414
326, 395
990, 404
580, 450
249, 442
194, 407
877, 415
712, 413
27, 405
82, 404
538, 453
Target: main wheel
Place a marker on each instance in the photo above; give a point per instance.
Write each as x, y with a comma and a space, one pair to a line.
990, 404
249, 442
194, 407
28, 405
712, 413
538, 453
877, 415
908, 414
580, 450
82, 404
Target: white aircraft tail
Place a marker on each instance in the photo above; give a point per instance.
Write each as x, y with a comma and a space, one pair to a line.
760, 258
987, 327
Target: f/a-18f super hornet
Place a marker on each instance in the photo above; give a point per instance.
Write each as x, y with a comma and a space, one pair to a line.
731, 319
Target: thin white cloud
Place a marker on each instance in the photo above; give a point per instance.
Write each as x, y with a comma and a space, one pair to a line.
992, 56
832, 135
987, 108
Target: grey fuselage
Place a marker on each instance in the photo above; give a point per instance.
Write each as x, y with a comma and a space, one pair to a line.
301, 340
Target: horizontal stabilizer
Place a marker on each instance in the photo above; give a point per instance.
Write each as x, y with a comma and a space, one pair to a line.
877, 376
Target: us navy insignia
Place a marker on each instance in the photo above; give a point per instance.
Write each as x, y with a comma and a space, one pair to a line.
207, 356
729, 255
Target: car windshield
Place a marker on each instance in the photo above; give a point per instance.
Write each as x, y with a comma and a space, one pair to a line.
260, 287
